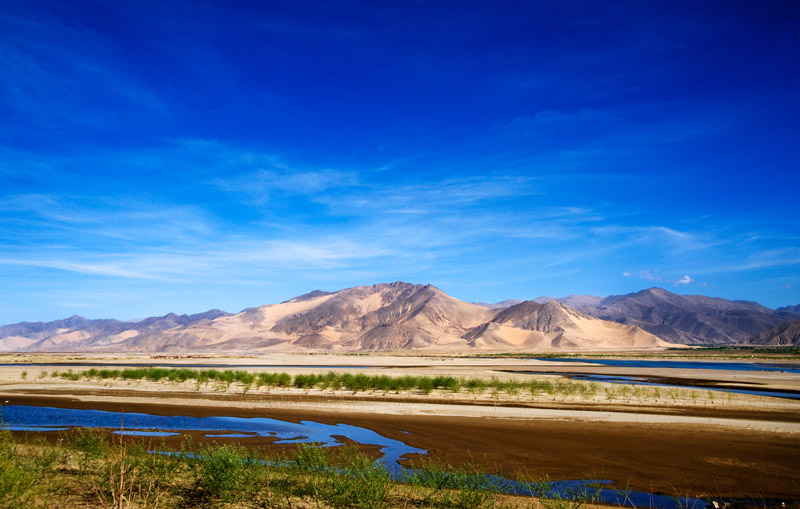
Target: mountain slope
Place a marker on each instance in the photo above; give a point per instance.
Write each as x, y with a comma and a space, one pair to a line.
788, 311
76, 332
499, 305
399, 316
785, 334
379, 317
685, 319
552, 325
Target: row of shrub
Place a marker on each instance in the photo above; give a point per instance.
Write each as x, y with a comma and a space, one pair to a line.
406, 383
89, 469
339, 381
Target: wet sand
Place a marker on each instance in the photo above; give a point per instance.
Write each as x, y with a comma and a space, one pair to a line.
674, 458
748, 447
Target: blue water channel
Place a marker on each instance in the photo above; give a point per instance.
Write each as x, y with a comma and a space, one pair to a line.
656, 381
33, 418
641, 363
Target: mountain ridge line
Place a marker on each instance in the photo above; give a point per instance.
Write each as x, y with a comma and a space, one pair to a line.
406, 316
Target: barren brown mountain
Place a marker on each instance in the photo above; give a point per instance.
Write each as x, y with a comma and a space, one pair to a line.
379, 317
400, 316
785, 334
684, 319
552, 325
77, 333
393, 316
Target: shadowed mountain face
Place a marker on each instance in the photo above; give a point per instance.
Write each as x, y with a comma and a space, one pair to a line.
392, 316
399, 316
379, 317
785, 334
499, 305
789, 311
552, 325
684, 319
529, 315
40, 330
76, 332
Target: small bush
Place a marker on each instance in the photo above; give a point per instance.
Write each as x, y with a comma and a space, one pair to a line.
228, 473
475, 385
408, 382
69, 375
22, 472
537, 386
445, 486
360, 483
332, 381
305, 381
284, 380
426, 384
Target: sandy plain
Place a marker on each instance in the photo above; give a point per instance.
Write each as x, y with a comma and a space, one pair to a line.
687, 442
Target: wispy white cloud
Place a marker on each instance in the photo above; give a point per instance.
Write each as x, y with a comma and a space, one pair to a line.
322, 252
642, 274
753, 259
222, 257
262, 184
132, 269
648, 275
361, 227
675, 240
52, 71
433, 196
113, 217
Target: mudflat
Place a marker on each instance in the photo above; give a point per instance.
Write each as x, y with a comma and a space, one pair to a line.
746, 446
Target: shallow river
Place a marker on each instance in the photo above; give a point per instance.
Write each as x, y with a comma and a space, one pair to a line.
668, 364
32, 418
47, 419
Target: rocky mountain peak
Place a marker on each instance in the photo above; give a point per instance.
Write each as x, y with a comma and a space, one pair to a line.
400, 315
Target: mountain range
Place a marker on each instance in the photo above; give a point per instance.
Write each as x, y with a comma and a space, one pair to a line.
401, 316
684, 319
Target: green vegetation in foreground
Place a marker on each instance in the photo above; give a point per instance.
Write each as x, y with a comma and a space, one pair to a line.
223, 379
340, 381
90, 469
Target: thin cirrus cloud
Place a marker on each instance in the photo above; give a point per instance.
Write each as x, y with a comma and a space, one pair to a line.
756, 259
459, 228
148, 267
262, 184
677, 241
221, 260
54, 77
80, 217
649, 276
643, 274
435, 220
438, 217
436, 200
244, 147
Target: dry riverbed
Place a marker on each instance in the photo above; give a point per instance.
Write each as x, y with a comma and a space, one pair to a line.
681, 441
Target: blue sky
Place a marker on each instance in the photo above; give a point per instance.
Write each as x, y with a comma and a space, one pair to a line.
180, 156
